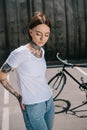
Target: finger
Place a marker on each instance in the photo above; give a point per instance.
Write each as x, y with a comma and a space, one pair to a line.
22, 106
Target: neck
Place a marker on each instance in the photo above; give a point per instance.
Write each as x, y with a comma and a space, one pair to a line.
35, 46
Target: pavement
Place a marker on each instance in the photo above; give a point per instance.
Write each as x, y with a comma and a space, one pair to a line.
73, 115
72, 100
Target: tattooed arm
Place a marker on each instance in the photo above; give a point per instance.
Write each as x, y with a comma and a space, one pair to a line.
4, 71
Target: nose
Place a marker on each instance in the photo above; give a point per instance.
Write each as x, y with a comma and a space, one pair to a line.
42, 37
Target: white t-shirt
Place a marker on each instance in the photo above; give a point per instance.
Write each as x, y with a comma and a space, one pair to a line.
30, 74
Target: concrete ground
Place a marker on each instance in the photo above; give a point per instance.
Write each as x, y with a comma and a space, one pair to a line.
71, 99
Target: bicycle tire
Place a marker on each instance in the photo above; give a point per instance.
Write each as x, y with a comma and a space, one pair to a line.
57, 83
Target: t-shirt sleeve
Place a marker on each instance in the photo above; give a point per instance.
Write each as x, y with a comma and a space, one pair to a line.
15, 59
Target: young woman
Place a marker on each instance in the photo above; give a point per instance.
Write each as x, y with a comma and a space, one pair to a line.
30, 66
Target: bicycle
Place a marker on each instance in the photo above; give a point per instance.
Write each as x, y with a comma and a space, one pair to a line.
58, 81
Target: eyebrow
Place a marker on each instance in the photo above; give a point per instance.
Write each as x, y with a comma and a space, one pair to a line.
41, 32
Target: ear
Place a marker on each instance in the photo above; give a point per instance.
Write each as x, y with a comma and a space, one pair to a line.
30, 32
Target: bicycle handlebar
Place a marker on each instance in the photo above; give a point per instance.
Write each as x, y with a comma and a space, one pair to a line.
65, 62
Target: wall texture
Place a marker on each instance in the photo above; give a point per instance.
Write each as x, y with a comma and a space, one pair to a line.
69, 26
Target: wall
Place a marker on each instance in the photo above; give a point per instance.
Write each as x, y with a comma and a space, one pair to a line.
69, 26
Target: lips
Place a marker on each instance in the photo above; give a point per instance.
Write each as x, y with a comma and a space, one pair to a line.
41, 43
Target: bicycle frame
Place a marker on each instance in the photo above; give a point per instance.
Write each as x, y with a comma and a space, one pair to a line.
58, 81
82, 86
68, 73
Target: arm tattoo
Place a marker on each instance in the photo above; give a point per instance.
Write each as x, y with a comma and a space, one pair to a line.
6, 68
7, 86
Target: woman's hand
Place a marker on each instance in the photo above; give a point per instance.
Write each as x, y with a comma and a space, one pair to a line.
20, 102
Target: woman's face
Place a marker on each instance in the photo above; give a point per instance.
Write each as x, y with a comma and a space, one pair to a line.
40, 34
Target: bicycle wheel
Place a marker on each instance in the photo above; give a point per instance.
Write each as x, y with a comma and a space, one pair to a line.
57, 83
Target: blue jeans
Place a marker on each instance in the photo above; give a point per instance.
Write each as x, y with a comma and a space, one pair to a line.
39, 116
